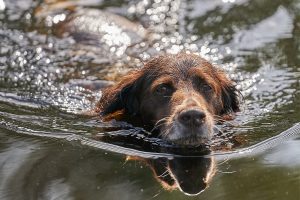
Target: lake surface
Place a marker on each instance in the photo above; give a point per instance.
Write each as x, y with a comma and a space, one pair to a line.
56, 55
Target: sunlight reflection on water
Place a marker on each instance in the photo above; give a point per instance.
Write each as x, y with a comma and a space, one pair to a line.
2, 5
46, 78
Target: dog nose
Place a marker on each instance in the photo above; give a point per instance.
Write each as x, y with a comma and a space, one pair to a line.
192, 117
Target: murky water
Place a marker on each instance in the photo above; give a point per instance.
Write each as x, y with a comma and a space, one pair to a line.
56, 55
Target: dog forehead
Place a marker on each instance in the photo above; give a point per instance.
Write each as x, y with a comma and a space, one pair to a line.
186, 71
182, 67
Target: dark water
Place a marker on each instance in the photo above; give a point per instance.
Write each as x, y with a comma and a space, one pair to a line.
55, 56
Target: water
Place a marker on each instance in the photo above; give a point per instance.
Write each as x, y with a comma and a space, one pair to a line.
50, 72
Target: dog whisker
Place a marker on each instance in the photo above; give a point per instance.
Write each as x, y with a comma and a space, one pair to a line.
160, 123
164, 133
164, 174
163, 119
157, 126
218, 129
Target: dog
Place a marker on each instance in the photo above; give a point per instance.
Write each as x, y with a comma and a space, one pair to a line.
190, 175
175, 97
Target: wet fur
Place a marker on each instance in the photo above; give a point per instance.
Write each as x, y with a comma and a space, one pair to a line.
127, 100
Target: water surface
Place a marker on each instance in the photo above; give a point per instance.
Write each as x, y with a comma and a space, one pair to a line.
53, 62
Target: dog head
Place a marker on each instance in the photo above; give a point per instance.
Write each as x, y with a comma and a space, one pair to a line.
176, 96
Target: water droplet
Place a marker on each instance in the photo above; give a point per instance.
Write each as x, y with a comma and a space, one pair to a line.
2, 5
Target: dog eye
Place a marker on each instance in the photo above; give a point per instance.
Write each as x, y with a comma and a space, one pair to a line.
163, 89
201, 85
206, 88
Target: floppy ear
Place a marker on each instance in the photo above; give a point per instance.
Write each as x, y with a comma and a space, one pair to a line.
230, 99
230, 96
122, 97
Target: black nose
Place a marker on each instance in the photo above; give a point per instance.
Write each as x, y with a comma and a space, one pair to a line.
192, 118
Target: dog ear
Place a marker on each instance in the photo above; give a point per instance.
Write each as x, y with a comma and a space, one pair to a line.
230, 99
122, 96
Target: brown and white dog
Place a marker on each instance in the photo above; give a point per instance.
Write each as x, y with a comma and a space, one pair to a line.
176, 97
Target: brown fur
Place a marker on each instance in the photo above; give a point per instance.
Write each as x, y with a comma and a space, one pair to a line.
156, 96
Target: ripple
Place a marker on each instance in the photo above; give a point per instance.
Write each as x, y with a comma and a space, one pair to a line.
271, 29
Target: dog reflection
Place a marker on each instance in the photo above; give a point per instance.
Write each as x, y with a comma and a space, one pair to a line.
191, 175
